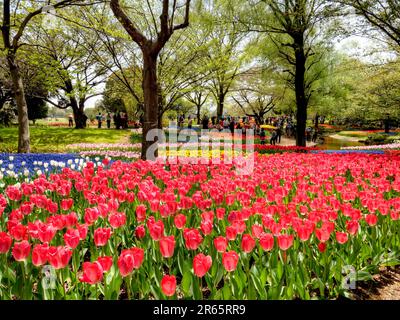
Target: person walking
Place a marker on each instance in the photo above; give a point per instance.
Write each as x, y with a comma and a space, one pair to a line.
205, 123
190, 122
273, 138
118, 120
108, 120
278, 134
70, 121
180, 121
232, 126
262, 136
315, 135
99, 118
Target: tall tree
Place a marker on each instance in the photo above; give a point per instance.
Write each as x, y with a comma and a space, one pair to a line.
71, 66
295, 27
256, 95
198, 97
226, 54
16, 16
383, 15
151, 45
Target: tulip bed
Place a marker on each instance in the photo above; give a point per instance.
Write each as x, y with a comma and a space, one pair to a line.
149, 230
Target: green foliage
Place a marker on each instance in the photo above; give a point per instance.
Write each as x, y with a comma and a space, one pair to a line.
49, 140
37, 108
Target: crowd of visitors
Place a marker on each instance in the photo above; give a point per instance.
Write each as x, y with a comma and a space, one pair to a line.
279, 126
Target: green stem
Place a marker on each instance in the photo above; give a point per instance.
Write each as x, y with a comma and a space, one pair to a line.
62, 282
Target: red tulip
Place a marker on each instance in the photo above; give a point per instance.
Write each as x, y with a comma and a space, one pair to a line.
117, 219
26, 208
67, 204
46, 233
285, 241
91, 215
13, 193
21, 250
257, 230
71, 238
248, 243
220, 244
201, 264
207, 216
371, 219
230, 260
101, 236
39, 254
156, 229
231, 233
322, 234
167, 246
92, 272
304, 233
130, 259
322, 247
180, 221
341, 237
352, 227
267, 241
220, 213
168, 285
206, 227
394, 215
5, 242
83, 229
141, 212
240, 226
18, 232
192, 238
71, 220
106, 263
59, 256
140, 232
154, 205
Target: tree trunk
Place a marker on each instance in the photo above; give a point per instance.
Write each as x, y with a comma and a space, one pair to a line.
220, 107
79, 116
301, 100
150, 100
160, 121
22, 107
387, 125
198, 114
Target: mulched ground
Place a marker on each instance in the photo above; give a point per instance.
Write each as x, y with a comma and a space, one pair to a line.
384, 286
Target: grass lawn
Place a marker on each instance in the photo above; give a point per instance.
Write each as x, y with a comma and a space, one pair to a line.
53, 139
362, 135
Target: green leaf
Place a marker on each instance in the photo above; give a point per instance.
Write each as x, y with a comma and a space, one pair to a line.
363, 276
279, 271
186, 283
10, 274
257, 284
198, 295
226, 292
155, 292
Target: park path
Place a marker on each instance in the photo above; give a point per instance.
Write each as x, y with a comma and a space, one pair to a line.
284, 140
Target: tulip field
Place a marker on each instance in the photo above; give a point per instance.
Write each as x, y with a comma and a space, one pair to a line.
292, 229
